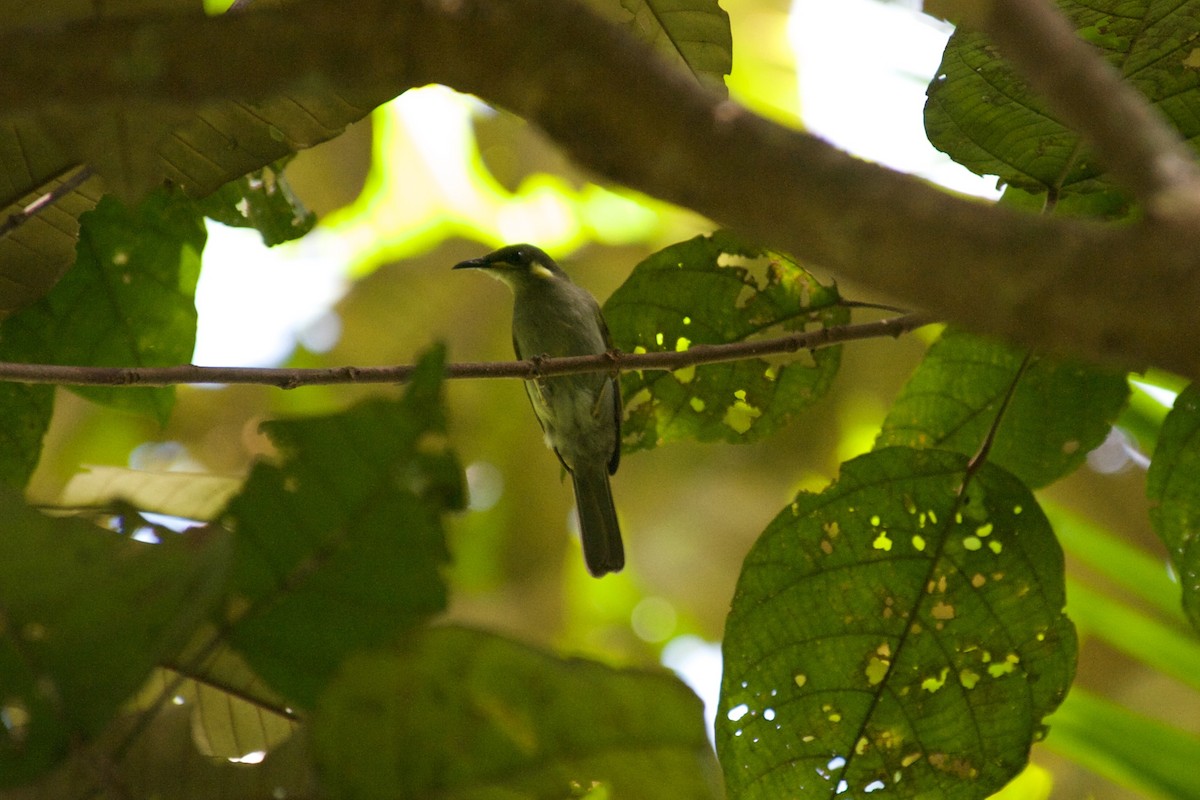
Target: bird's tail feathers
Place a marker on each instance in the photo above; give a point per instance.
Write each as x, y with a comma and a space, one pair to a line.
602, 548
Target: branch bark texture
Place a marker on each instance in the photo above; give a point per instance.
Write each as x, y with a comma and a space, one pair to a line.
1125, 295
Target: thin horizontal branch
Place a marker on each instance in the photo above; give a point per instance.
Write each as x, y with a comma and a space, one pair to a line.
528, 369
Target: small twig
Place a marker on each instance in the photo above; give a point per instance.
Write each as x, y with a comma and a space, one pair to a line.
527, 370
69, 184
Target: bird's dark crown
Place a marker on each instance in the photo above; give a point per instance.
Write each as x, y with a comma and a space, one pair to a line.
516, 258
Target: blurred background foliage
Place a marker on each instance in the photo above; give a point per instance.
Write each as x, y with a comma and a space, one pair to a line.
433, 178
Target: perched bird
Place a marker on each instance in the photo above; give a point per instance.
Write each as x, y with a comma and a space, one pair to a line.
579, 414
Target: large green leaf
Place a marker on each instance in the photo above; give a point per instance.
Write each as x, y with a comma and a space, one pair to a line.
340, 545
897, 633
704, 291
1059, 411
457, 713
86, 614
127, 302
985, 117
1173, 486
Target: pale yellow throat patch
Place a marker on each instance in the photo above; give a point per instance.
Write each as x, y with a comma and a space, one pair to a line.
541, 272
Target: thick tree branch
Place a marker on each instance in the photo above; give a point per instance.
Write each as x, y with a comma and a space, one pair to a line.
528, 369
1127, 295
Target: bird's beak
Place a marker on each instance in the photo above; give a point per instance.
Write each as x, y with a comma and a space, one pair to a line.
474, 263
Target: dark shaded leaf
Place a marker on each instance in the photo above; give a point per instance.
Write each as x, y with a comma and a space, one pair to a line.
694, 34
986, 118
703, 291
458, 713
69, 659
339, 547
895, 634
1060, 411
1173, 487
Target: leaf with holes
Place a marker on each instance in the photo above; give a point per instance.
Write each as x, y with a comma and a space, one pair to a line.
1173, 486
264, 201
705, 291
340, 545
455, 714
987, 118
1058, 413
127, 302
895, 634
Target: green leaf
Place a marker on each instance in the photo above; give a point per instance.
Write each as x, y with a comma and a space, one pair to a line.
128, 301
86, 615
197, 496
1059, 412
26, 410
262, 200
339, 545
458, 713
694, 34
35, 254
704, 291
1125, 747
895, 633
985, 117
1173, 487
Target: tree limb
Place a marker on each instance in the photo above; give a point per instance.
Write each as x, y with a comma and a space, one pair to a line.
1126, 295
528, 369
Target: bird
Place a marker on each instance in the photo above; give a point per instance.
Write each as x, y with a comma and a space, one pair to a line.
580, 414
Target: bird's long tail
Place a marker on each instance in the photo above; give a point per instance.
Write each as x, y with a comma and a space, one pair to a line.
602, 548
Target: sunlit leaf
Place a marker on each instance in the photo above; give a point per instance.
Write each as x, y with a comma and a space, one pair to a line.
986, 118
340, 545
895, 633
1058, 412
705, 291
1173, 486
465, 714
198, 496
86, 614
1126, 747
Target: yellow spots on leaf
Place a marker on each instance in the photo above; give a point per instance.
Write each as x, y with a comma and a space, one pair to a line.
875, 521
1006, 667
1017, 510
638, 349
932, 516
995, 547
860, 747
831, 715
931, 684
685, 374
882, 542
697, 405
972, 543
910, 759
877, 670
658, 339
918, 542
938, 585
832, 529
741, 415
967, 678
984, 530
978, 580
909, 505
955, 765
826, 547
800, 679
682, 344
942, 611
687, 320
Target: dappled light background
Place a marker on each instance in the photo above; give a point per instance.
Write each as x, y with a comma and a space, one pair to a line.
436, 177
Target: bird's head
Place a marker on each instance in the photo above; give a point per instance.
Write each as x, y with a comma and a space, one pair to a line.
517, 265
